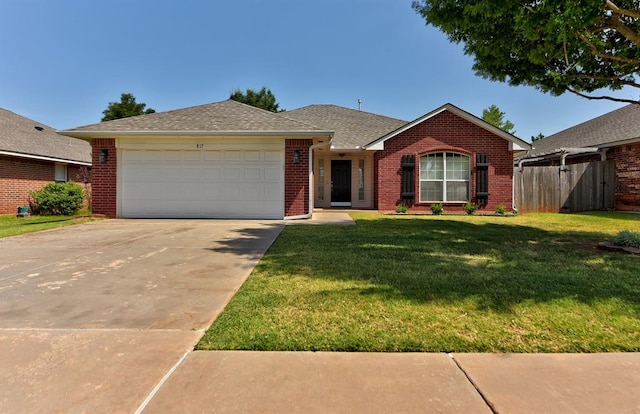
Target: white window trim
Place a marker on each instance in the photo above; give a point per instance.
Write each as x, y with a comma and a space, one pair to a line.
444, 180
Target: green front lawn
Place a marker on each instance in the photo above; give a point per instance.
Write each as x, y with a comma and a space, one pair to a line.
10, 225
532, 283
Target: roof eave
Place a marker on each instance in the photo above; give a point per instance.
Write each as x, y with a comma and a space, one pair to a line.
45, 158
89, 135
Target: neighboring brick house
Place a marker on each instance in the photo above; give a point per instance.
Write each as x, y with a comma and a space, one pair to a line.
32, 155
230, 160
612, 136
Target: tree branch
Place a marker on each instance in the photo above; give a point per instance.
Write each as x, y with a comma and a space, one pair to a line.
596, 52
608, 98
625, 12
618, 25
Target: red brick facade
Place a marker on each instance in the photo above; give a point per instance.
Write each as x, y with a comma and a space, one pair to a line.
296, 177
444, 132
19, 177
104, 177
627, 158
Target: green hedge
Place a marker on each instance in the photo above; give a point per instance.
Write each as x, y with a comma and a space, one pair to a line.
57, 199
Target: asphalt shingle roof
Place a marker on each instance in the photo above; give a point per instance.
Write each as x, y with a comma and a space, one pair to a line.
25, 136
224, 116
620, 125
353, 128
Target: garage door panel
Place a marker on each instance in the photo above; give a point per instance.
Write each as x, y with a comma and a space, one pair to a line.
253, 173
273, 156
233, 173
232, 155
191, 174
205, 183
212, 155
273, 174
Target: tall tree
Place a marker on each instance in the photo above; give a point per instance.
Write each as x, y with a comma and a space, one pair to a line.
125, 108
538, 137
261, 99
495, 117
576, 46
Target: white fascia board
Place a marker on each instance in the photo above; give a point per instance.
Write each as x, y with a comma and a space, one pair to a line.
88, 135
43, 158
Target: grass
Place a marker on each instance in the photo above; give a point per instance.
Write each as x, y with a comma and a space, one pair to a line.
531, 283
10, 225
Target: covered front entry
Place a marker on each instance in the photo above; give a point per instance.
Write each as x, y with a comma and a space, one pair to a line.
205, 182
343, 179
341, 183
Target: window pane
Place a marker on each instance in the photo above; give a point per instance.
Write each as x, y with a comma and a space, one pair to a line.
320, 179
360, 179
435, 167
457, 191
60, 172
431, 191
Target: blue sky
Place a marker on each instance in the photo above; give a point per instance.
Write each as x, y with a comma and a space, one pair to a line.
63, 61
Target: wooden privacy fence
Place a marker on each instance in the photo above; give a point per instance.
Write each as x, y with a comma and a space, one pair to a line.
568, 189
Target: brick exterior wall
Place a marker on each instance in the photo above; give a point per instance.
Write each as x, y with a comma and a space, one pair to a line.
444, 132
296, 178
104, 180
19, 177
627, 158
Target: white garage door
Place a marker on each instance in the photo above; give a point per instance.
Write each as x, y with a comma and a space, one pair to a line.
202, 184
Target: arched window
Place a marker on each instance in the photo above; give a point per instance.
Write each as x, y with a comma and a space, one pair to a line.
444, 176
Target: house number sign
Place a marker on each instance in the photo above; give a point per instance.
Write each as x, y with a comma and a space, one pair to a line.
199, 146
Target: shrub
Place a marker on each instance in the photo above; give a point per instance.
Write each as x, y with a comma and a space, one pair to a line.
57, 199
501, 209
402, 208
437, 209
470, 207
627, 238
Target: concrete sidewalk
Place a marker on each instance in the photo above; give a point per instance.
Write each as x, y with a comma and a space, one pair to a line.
337, 217
321, 382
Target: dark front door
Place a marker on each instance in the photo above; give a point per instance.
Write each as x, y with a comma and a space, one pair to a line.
340, 182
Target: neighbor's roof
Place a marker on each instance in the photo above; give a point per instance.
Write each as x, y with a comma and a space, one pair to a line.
352, 128
515, 142
618, 127
225, 117
23, 137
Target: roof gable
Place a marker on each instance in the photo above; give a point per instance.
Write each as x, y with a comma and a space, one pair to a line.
611, 129
515, 143
228, 116
24, 137
352, 128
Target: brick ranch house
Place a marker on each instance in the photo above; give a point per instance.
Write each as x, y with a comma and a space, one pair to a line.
612, 136
231, 160
33, 155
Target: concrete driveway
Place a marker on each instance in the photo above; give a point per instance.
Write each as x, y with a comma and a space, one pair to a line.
92, 317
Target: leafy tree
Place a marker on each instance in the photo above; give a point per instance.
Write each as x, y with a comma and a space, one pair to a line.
495, 117
125, 108
537, 137
576, 46
261, 99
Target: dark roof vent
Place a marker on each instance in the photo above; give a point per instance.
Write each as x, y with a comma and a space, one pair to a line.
39, 128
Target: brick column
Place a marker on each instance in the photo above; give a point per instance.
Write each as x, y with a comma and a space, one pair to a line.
104, 177
296, 177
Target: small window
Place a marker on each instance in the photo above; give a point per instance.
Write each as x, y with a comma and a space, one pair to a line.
444, 176
61, 173
360, 180
320, 179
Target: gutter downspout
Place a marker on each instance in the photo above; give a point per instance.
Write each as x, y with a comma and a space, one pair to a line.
310, 213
